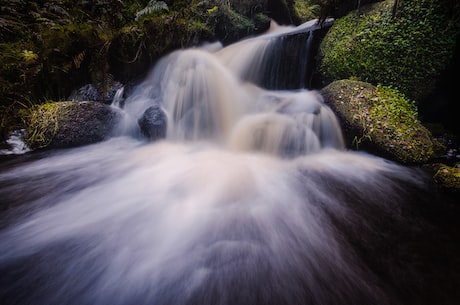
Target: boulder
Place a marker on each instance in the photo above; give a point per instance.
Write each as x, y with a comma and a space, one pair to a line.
448, 177
407, 50
153, 123
90, 92
69, 124
379, 120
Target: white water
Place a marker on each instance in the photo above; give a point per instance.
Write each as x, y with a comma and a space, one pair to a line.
241, 204
16, 143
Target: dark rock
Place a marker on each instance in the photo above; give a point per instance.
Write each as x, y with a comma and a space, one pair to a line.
153, 123
90, 92
70, 124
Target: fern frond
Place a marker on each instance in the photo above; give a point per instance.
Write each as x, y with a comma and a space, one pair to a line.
57, 13
152, 7
78, 59
7, 25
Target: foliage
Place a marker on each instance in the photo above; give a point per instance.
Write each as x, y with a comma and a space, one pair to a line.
49, 48
248, 8
153, 7
406, 52
42, 124
305, 10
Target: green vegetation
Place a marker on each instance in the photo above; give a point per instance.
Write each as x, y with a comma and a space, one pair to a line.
448, 177
42, 124
407, 51
49, 48
306, 10
153, 7
380, 119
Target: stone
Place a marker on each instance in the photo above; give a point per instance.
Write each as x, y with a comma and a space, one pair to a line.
69, 124
380, 121
153, 123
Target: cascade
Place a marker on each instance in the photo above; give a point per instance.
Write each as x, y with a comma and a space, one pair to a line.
250, 198
211, 93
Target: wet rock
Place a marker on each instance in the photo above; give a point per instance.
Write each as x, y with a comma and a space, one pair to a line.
448, 177
153, 123
380, 121
90, 92
70, 124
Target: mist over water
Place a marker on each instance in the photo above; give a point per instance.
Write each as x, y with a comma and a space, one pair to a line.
250, 199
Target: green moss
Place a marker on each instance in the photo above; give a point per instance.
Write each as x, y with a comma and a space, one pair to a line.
406, 52
448, 177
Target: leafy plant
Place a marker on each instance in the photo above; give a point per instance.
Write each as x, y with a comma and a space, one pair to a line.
306, 10
153, 7
29, 56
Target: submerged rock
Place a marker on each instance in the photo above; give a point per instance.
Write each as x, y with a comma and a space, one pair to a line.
153, 123
69, 124
379, 120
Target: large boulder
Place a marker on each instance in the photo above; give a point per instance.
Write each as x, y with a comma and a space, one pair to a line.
407, 50
379, 120
69, 124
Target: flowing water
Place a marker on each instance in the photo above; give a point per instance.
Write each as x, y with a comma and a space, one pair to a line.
250, 199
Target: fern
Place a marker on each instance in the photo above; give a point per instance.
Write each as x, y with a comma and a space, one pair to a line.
152, 8
78, 59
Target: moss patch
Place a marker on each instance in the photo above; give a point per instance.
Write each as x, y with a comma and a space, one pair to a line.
406, 52
381, 120
448, 177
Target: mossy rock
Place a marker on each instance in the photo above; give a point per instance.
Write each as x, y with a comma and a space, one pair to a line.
379, 120
407, 51
448, 177
69, 124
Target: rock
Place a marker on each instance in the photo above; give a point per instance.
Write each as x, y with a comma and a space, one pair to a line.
69, 124
448, 177
90, 92
379, 120
408, 51
153, 123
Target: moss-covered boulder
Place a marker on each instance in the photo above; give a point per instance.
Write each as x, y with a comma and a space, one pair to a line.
448, 177
406, 50
379, 120
69, 124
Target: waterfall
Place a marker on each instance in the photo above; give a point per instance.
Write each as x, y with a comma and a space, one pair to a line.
280, 59
215, 94
249, 199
